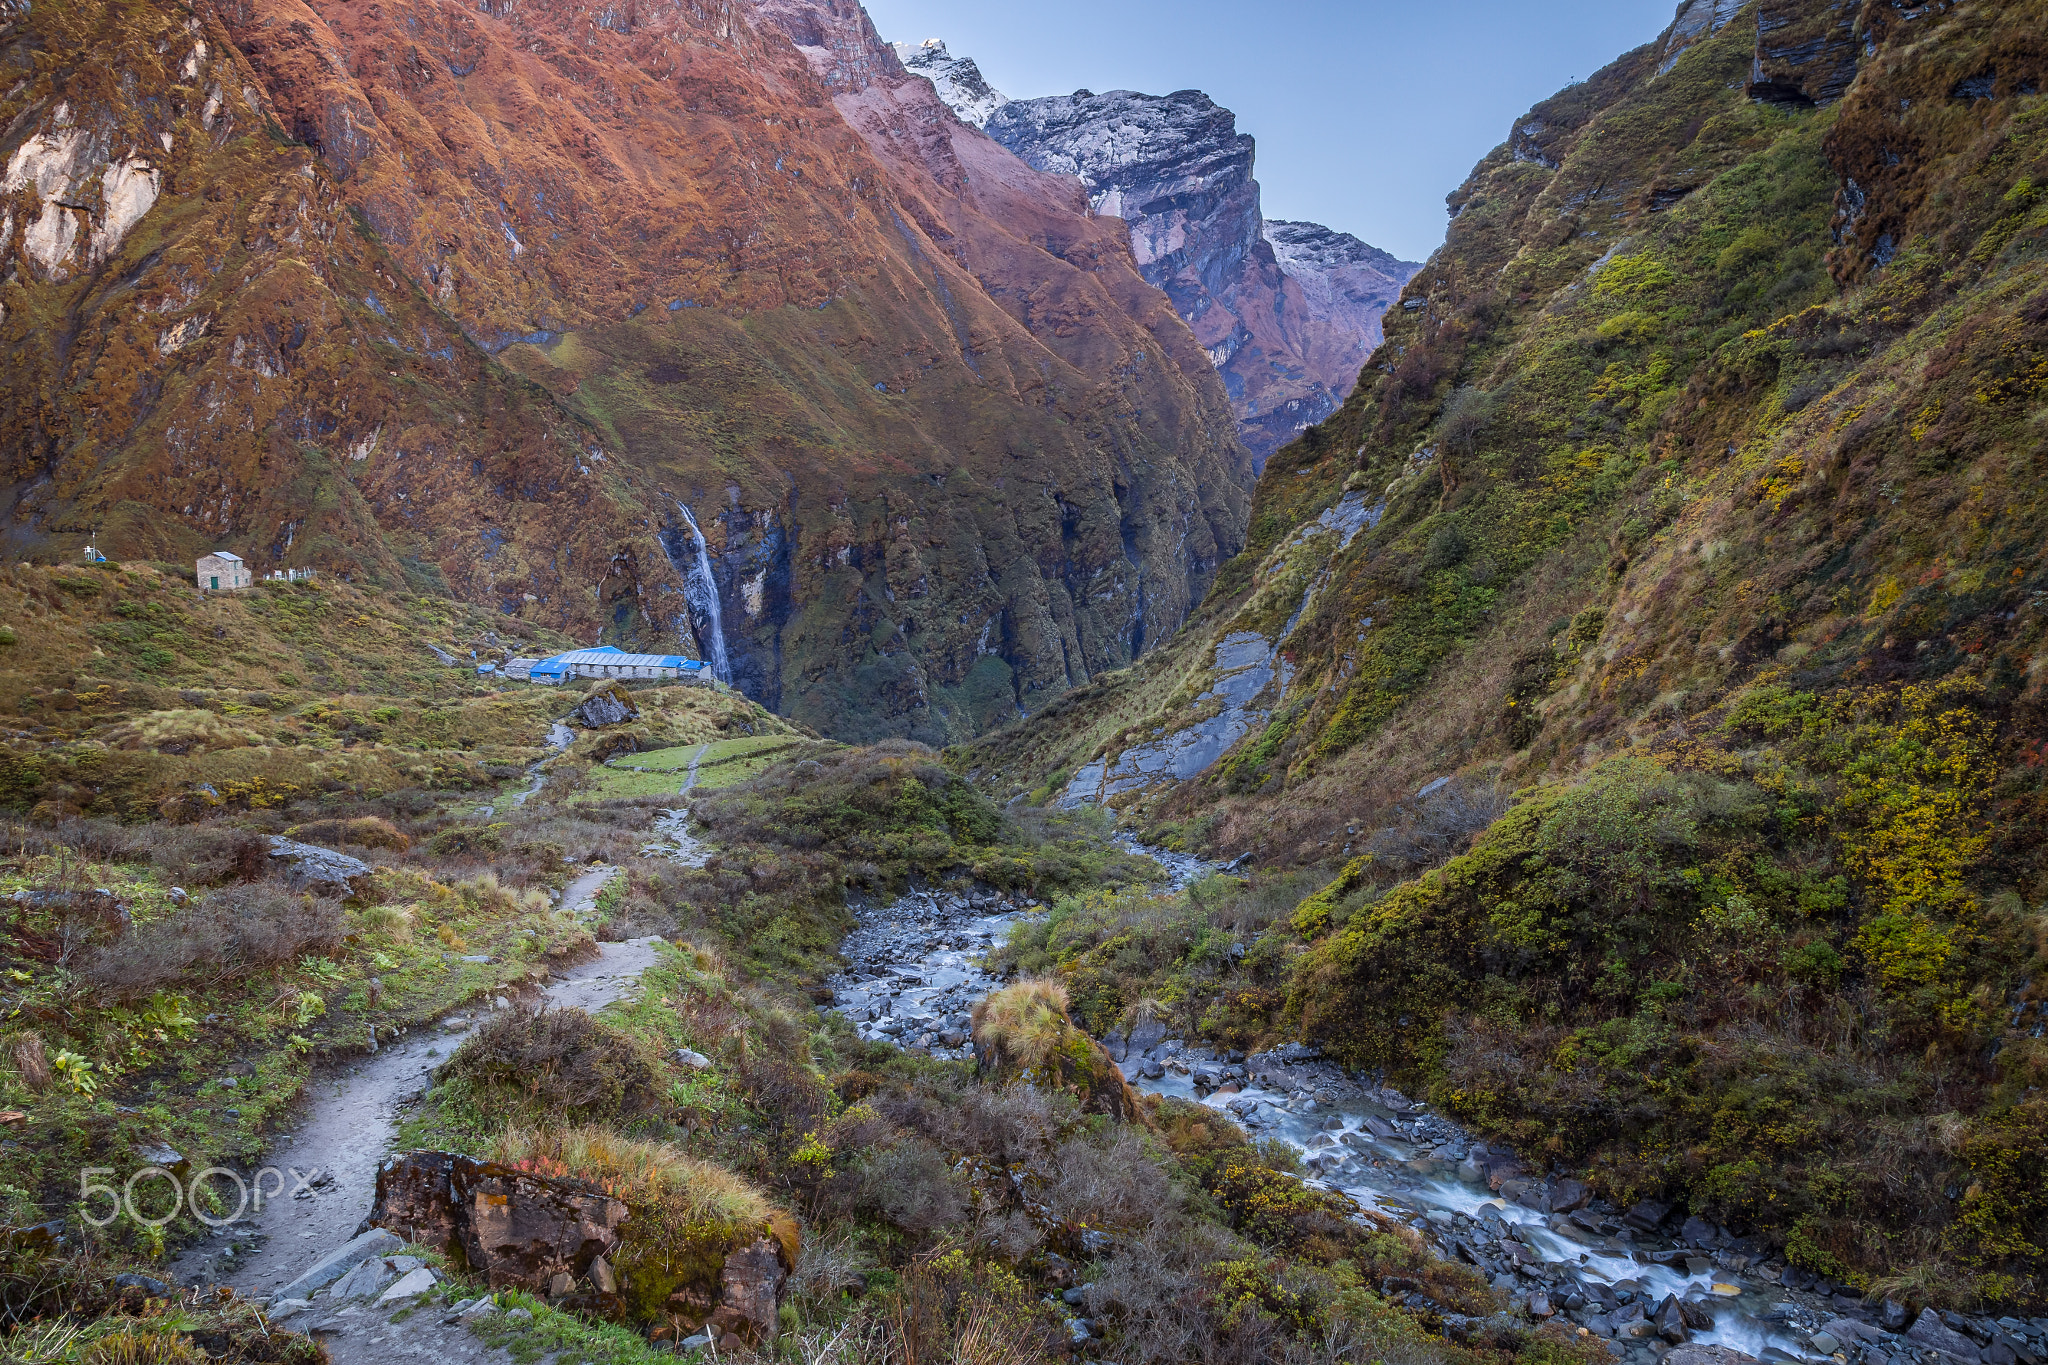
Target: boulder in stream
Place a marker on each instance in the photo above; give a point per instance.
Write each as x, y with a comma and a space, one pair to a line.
1692, 1353
1022, 1033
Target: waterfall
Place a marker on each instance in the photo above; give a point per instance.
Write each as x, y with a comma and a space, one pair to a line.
702, 591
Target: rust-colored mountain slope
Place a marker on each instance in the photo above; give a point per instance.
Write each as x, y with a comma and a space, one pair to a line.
951, 455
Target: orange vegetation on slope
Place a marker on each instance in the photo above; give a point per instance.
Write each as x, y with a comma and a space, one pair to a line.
478, 297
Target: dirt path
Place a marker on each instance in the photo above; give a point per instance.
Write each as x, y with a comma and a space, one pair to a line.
350, 1114
560, 737
690, 778
581, 893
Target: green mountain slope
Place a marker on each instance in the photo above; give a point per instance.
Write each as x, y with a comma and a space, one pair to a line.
1655, 641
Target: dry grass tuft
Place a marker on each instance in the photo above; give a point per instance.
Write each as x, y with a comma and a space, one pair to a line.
181, 732
146, 1348
31, 1060
1023, 1023
655, 1177
364, 831
392, 921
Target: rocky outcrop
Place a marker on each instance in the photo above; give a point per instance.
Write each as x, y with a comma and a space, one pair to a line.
579, 1244
515, 1229
1348, 286
611, 705
322, 870
1022, 1034
1287, 312
471, 299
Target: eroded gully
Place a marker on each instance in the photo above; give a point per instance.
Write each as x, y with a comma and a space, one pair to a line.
916, 970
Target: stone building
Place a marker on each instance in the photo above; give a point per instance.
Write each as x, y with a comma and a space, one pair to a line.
223, 572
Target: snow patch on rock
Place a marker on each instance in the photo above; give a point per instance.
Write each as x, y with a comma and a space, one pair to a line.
957, 80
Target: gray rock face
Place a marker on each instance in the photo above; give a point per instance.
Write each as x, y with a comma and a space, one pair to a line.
1693, 1354
837, 38
609, 707
1246, 664
1934, 1334
373, 1243
1288, 312
958, 80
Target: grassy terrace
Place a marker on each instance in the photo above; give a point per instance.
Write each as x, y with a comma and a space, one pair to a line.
662, 772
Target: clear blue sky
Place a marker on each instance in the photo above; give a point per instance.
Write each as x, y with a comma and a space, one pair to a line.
1367, 112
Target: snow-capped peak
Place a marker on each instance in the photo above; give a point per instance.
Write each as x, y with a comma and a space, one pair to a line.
957, 79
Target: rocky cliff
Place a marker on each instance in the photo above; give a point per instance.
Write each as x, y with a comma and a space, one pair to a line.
956, 80
1287, 312
530, 306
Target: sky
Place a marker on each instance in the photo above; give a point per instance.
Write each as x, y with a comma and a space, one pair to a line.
1367, 112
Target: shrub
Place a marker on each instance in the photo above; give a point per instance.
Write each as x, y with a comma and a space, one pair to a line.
31, 1060
366, 831
468, 839
565, 1062
235, 932
913, 1185
1112, 1184
202, 855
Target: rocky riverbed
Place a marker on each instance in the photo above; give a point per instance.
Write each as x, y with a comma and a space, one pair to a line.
915, 967
1645, 1279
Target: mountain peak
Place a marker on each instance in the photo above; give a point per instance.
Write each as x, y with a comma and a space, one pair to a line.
957, 79
1287, 311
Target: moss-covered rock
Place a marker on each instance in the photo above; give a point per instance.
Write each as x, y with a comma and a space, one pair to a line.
634, 1230
1022, 1033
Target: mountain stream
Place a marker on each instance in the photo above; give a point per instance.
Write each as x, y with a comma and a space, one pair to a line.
916, 969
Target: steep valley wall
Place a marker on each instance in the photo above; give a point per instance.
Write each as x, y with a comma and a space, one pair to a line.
478, 300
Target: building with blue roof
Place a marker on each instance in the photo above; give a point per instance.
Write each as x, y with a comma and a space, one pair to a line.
608, 661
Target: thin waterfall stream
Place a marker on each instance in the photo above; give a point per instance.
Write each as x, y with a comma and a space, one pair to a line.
701, 588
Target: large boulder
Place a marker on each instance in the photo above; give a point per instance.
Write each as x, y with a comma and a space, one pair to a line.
518, 1230
607, 705
1022, 1033
320, 870
572, 1240
1692, 1353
